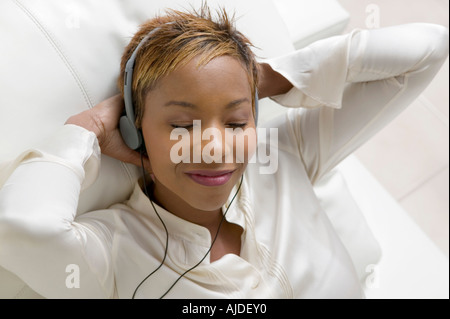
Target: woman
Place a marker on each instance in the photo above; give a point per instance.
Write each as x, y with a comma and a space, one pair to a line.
212, 228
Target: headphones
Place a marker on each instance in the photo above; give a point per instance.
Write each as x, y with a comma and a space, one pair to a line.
130, 133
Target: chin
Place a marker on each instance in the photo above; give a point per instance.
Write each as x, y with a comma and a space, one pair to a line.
209, 202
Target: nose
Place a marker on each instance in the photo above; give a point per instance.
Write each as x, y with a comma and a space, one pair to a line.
214, 145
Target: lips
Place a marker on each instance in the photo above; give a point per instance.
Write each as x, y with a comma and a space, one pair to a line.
210, 177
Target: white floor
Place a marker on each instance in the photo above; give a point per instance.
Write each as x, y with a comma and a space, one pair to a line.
410, 157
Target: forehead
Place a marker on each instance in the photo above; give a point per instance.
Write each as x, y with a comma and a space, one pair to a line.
221, 73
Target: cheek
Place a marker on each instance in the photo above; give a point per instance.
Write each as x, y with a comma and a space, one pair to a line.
243, 144
158, 147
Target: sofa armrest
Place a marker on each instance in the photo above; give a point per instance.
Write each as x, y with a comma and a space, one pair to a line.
411, 266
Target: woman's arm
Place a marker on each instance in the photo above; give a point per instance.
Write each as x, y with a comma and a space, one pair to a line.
356, 84
40, 240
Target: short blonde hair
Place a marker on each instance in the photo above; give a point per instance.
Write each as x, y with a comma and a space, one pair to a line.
181, 37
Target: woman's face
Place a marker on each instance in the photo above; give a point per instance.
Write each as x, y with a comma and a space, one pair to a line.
217, 96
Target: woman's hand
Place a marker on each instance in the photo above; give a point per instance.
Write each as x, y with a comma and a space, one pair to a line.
270, 82
103, 120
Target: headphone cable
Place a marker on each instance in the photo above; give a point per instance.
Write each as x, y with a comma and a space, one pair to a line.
162, 222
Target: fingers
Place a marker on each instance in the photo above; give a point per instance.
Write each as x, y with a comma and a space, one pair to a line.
110, 109
117, 103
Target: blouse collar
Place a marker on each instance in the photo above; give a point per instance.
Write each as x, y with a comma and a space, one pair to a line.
235, 213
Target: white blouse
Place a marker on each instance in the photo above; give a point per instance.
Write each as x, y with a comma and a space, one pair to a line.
346, 88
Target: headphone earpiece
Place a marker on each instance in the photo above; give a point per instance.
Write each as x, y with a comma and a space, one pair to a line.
130, 134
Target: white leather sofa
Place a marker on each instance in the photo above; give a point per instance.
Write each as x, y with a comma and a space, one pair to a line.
62, 57
308, 21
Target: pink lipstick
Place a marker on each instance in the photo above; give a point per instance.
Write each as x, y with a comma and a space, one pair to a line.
210, 177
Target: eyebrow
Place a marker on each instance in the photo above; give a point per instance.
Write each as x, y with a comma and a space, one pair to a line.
190, 105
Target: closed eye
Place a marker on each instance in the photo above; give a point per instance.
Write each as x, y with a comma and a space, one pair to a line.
238, 125
189, 126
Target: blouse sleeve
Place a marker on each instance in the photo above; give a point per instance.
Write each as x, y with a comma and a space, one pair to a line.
348, 87
40, 239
